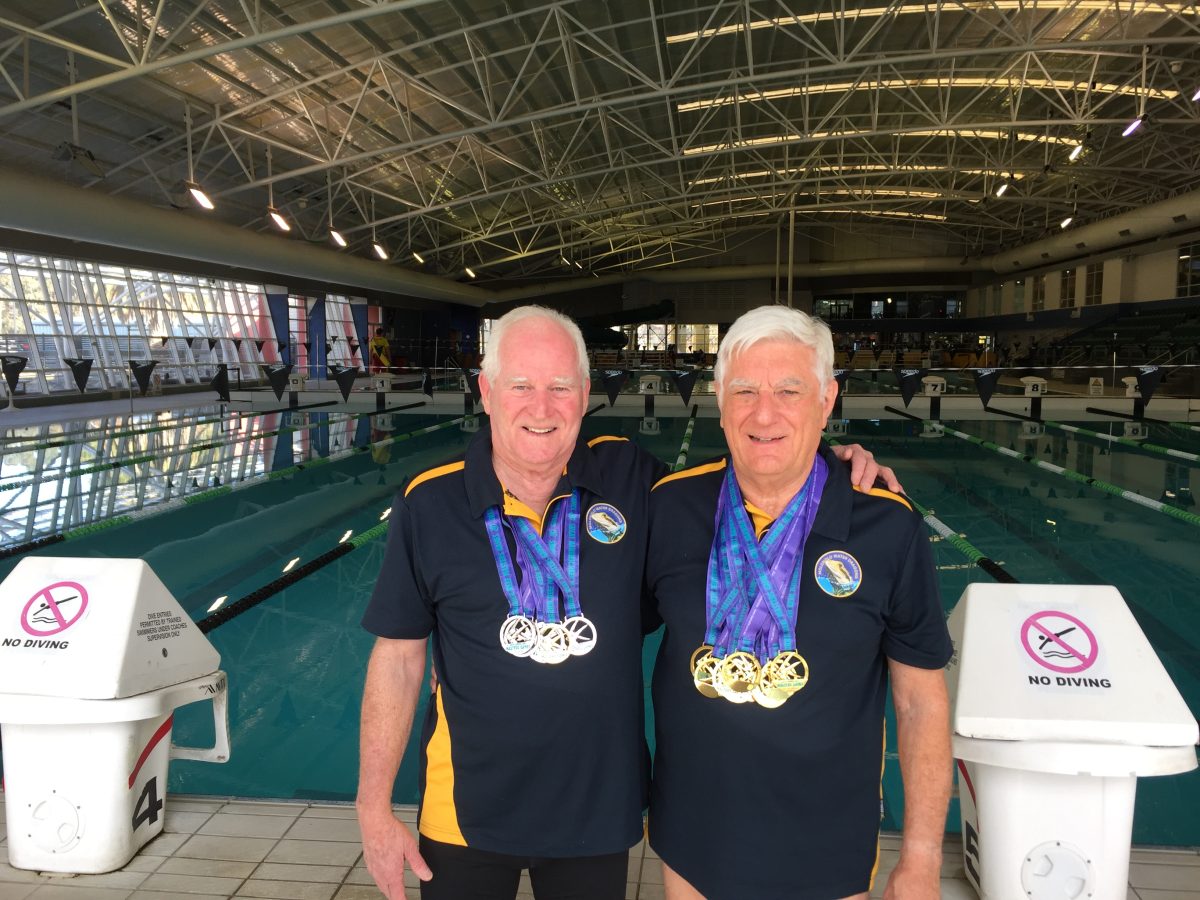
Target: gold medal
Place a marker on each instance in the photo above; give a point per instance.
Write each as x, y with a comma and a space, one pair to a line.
702, 650
704, 674
739, 672
765, 700
784, 675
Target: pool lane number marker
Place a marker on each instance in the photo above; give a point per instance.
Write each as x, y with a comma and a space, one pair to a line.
1060, 642
54, 609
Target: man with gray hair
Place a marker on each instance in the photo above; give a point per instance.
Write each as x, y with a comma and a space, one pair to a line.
789, 598
524, 561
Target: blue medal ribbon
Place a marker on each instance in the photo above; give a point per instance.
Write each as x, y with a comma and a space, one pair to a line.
753, 588
521, 598
538, 560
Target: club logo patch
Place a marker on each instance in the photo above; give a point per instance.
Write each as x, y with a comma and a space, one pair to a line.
605, 523
838, 573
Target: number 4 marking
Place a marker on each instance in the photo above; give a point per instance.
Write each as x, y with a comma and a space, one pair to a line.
148, 805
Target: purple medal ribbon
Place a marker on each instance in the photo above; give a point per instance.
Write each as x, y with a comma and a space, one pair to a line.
769, 572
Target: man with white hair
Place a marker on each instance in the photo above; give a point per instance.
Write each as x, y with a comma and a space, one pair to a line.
789, 599
524, 561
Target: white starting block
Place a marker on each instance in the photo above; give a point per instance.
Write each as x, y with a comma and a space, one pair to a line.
297, 381
1131, 386
650, 384
1059, 704
381, 383
1035, 386
95, 656
649, 425
933, 386
1137, 431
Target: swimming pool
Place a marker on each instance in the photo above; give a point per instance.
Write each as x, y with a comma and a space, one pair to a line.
296, 661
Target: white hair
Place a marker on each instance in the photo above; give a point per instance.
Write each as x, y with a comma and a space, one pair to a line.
775, 323
491, 360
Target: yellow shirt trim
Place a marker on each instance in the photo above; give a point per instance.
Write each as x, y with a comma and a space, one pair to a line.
605, 437
516, 507
882, 765
688, 473
439, 816
880, 492
434, 473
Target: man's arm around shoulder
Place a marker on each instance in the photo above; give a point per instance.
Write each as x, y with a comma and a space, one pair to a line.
394, 676
923, 738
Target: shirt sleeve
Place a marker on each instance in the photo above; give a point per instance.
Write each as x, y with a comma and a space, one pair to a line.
400, 606
915, 631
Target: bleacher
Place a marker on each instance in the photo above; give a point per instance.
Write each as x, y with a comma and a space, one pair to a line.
1140, 337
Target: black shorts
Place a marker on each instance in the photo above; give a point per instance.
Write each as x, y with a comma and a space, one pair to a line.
464, 873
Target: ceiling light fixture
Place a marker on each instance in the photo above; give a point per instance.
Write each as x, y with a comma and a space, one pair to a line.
418, 257
1067, 221
1141, 116
193, 188
198, 195
470, 272
1196, 96
276, 216
334, 234
376, 247
825, 16
1003, 189
1075, 153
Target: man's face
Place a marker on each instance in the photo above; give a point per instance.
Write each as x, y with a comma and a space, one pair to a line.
773, 410
537, 401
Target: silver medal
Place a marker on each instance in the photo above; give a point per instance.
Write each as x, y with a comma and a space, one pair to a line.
582, 634
518, 635
553, 644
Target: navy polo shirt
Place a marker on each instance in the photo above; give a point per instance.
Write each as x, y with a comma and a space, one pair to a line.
784, 804
520, 757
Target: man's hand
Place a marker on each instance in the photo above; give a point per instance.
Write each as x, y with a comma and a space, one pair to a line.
394, 675
864, 469
916, 878
387, 846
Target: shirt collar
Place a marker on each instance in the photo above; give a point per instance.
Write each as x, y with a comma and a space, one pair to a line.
833, 515
483, 487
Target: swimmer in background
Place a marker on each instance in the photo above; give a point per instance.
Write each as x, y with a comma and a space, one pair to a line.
380, 351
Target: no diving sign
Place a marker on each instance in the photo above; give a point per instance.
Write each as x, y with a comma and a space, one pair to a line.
54, 609
1059, 642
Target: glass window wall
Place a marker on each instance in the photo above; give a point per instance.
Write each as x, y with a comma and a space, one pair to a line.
54, 309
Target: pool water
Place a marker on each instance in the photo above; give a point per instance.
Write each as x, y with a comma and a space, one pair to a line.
296, 661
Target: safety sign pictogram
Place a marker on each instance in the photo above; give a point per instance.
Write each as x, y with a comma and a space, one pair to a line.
54, 608
1059, 641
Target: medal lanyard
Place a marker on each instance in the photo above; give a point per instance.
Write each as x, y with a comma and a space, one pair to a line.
724, 585
768, 625
522, 599
546, 568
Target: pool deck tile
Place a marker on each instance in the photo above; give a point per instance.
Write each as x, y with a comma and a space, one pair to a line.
219, 849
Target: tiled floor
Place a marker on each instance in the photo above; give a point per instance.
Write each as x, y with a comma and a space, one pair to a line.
212, 850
